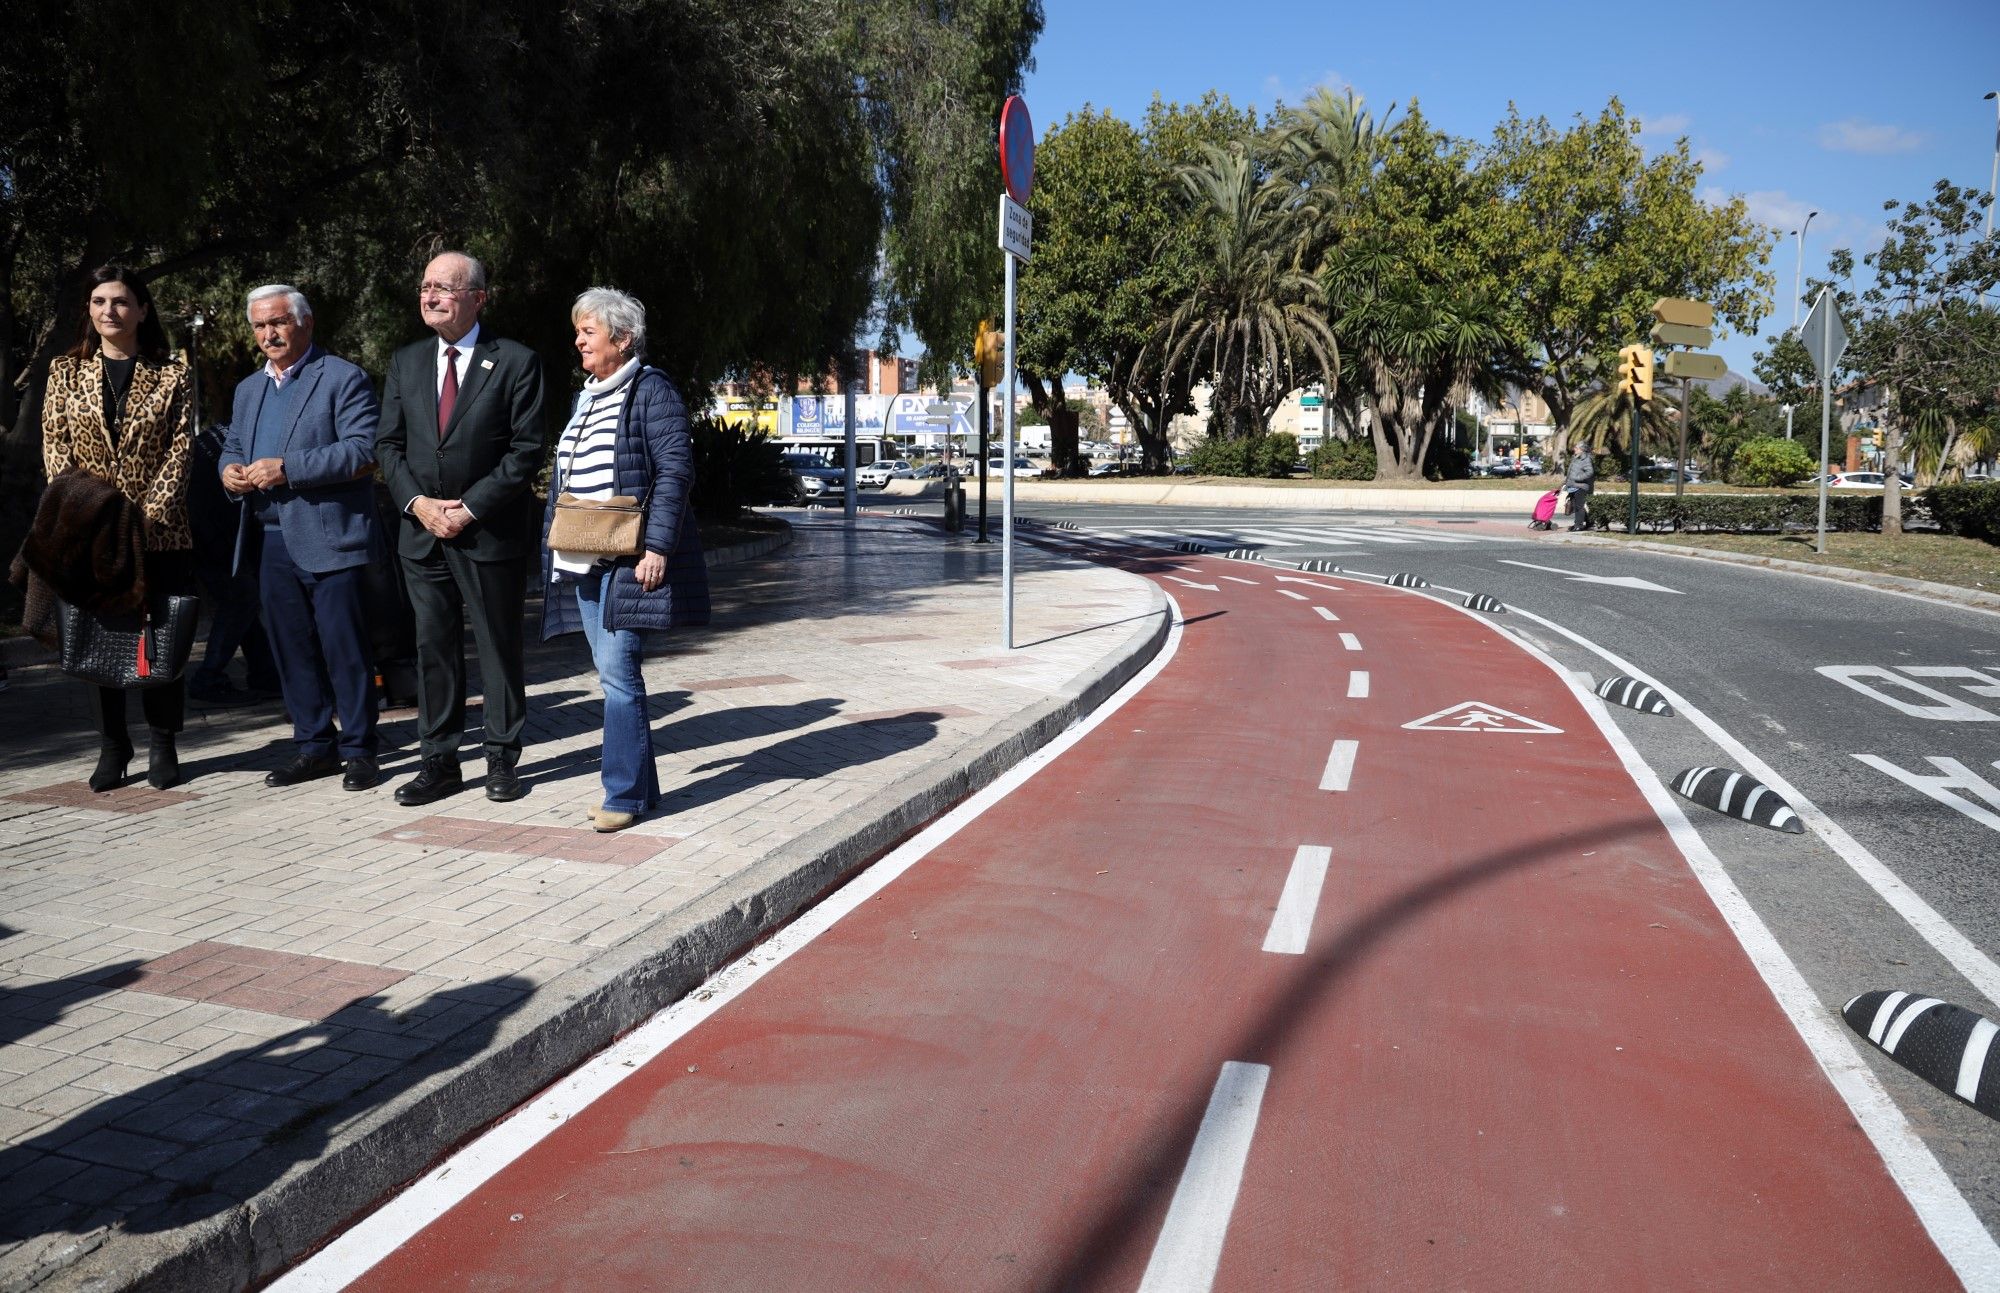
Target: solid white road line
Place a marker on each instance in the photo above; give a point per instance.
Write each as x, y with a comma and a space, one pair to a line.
1339, 766
1350, 642
392, 1225
1966, 957
1949, 1220
1189, 1249
1326, 614
1238, 579
1297, 597
1357, 685
1292, 923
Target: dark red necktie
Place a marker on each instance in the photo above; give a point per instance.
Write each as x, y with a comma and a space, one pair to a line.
448, 397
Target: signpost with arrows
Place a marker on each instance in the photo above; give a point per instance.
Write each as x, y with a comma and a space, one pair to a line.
1686, 323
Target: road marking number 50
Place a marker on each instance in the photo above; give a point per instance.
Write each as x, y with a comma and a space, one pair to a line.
1904, 693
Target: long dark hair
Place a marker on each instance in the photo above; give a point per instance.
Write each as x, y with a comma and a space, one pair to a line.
152, 337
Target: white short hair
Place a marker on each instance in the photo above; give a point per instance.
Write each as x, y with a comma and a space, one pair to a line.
620, 314
301, 308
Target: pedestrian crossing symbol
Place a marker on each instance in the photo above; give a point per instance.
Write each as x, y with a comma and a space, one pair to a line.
1478, 716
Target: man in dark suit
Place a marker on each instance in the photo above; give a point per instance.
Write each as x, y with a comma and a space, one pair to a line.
460, 443
299, 453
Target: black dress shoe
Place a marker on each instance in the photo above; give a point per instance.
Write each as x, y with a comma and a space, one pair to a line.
305, 767
110, 770
502, 786
439, 778
360, 774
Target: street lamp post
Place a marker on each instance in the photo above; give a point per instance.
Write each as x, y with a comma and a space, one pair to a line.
1799, 267
1993, 185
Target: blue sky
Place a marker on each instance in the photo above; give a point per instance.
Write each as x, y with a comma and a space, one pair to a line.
1833, 106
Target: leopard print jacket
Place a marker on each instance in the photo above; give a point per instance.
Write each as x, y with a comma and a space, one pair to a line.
155, 441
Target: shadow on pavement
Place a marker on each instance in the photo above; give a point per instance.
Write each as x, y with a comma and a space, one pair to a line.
192, 1144
32, 1007
807, 756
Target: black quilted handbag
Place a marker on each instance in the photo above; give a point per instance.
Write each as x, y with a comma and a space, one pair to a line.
131, 649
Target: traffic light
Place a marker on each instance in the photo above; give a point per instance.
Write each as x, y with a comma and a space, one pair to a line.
989, 352
1635, 371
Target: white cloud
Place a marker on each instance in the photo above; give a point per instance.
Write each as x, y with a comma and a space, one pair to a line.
1712, 159
1284, 90
1857, 136
1665, 128
1784, 214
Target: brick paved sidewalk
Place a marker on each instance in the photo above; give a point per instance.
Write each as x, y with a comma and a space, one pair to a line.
231, 1015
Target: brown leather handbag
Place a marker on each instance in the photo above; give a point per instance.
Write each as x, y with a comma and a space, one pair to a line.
607, 527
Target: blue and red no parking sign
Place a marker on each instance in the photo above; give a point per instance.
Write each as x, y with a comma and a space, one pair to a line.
1017, 148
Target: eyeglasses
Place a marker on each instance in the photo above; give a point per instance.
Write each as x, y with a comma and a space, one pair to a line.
442, 289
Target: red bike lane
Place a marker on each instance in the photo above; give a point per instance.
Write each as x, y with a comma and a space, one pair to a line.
1511, 1044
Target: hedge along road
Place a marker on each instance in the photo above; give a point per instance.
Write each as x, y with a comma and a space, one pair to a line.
1237, 990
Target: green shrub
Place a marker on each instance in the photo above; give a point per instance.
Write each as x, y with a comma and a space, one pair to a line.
1971, 509
1737, 513
1271, 456
1770, 462
1343, 460
734, 468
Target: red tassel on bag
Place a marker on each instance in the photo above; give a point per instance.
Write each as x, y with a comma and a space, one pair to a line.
144, 669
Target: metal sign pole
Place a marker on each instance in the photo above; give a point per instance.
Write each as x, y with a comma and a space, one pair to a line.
1825, 427
985, 439
1680, 464
1007, 490
1633, 526
852, 381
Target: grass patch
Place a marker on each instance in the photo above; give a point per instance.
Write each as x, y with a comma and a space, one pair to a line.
1938, 558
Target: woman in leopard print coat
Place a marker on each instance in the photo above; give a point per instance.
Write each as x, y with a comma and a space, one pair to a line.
118, 406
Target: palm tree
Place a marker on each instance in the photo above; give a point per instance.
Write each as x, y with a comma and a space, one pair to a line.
1252, 326
1603, 420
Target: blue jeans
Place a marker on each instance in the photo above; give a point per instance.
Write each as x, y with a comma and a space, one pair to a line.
631, 784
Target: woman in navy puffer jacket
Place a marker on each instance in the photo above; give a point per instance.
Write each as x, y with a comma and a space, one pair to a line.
627, 435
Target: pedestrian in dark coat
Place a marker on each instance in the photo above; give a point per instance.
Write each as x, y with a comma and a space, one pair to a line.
628, 435
1578, 483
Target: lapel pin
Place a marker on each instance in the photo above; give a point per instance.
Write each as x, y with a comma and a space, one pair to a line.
486, 363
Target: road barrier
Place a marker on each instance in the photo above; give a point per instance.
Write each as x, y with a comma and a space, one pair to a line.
1633, 694
1947, 1046
1738, 795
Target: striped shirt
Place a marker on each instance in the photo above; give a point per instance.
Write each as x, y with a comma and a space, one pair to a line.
587, 456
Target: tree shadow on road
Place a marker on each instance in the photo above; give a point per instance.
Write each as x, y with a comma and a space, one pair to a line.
808, 756
1122, 1229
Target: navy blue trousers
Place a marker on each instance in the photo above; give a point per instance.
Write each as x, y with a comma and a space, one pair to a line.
318, 625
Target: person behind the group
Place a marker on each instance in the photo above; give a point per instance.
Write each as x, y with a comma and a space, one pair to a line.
628, 435
228, 579
1578, 484
117, 406
459, 445
301, 455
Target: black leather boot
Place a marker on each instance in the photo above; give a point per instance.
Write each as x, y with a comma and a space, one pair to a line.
111, 761
163, 763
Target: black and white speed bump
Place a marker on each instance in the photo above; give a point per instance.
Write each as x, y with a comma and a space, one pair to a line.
1245, 554
1484, 602
1318, 566
1740, 795
1189, 545
1947, 1046
1633, 694
1404, 579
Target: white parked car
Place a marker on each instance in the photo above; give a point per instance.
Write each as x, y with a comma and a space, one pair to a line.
877, 474
1852, 480
997, 466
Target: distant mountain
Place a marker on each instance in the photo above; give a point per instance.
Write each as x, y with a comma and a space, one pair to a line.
1729, 381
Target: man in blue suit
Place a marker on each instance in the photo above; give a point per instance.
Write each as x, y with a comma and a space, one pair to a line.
300, 455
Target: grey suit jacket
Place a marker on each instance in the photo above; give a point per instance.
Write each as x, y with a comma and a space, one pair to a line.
326, 507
